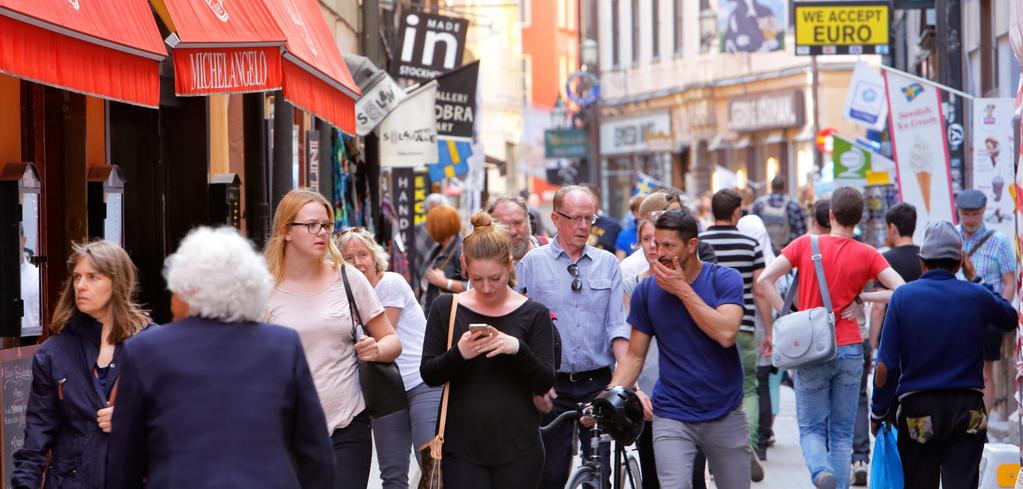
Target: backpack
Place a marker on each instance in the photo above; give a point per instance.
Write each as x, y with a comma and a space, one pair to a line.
776, 220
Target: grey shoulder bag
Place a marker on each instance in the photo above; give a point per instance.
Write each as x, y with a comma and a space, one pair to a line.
806, 338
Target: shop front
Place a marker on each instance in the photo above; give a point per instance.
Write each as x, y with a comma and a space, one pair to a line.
630, 145
765, 127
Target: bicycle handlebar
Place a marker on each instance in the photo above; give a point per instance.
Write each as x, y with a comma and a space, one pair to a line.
574, 414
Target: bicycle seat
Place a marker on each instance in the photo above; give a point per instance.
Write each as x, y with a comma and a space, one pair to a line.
620, 413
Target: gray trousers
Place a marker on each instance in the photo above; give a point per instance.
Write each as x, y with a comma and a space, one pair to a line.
396, 434
724, 441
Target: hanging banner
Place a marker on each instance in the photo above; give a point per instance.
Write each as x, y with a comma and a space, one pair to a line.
993, 161
376, 102
919, 146
408, 135
955, 140
430, 45
453, 159
456, 102
752, 26
403, 192
858, 167
865, 103
205, 71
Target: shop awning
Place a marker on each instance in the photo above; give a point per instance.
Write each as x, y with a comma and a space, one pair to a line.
109, 49
220, 47
316, 78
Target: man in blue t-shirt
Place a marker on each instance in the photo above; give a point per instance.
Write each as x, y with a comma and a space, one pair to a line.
694, 309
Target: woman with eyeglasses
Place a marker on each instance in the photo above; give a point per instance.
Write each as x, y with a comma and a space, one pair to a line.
310, 297
501, 355
397, 433
443, 265
74, 373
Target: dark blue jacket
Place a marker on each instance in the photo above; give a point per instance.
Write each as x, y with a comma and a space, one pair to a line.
204, 404
933, 337
61, 415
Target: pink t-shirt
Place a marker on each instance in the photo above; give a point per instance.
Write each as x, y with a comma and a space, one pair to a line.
325, 328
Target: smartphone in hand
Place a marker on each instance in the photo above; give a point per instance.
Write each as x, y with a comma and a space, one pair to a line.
479, 330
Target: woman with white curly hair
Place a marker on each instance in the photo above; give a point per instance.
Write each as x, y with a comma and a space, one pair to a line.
217, 399
397, 433
311, 298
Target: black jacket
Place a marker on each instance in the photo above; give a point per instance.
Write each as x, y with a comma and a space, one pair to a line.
61, 415
205, 404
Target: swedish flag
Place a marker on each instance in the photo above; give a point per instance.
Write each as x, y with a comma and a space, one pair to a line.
454, 159
644, 185
911, 91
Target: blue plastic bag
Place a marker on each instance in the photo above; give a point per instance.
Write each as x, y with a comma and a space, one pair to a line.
886, 466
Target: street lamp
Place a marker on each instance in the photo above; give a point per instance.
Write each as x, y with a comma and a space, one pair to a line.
588, 53
559, 113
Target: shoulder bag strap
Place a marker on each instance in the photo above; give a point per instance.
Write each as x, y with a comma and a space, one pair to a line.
353, 309
447, 386
980, 243
790, 296
818, 266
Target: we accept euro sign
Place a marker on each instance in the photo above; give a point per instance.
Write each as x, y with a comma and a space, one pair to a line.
853, 27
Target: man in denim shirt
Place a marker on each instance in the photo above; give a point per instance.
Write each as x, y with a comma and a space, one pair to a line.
582, 286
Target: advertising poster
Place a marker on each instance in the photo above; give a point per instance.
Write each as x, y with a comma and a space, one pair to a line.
865, 103
919, 146
858, 167
752, 26
408, 135
992, 160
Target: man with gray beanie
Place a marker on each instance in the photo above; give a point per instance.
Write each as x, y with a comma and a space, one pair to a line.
991, 254
931, 360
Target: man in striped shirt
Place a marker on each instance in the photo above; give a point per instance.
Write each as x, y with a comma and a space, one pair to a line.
743, 253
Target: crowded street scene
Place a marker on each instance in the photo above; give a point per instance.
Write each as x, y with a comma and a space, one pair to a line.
511, 244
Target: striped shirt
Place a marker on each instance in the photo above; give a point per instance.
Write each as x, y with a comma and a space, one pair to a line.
994, 257
743, 253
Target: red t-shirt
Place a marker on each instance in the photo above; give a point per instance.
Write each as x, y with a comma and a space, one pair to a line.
848, 266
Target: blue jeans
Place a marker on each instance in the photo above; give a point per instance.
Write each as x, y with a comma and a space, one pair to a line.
827, 397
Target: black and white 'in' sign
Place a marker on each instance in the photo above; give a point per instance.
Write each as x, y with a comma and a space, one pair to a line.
431, 45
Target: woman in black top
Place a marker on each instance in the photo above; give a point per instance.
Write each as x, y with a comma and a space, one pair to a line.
492, 438
443, 270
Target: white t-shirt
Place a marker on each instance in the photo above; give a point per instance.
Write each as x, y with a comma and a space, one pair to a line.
325, 327
635, 264
394, 291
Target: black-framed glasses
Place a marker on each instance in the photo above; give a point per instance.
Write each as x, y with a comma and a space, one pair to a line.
577, 220
577, 283
315, 228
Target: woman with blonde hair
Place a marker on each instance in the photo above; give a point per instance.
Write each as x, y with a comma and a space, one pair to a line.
397, 433
74, 373
310, 297
502, 355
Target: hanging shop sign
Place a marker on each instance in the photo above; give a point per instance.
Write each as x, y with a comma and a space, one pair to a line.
583, 88
403, 192
422, 188
565, 143
767, 111
993, 162
848, 27
922, 162
408, 135
865, 103
858, 167
634, 134
456, 102
202, 71
430, 45
376, 102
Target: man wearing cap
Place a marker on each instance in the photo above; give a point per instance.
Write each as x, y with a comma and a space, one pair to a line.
990, 253
931, 359
652, 207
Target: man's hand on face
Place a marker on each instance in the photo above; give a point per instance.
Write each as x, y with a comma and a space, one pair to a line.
671, 279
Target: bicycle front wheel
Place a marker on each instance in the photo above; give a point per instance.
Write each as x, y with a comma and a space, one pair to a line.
633, 477
584, 478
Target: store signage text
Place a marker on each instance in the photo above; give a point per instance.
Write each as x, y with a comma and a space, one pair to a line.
431, 45
228, 70
375, 103
854, 27
636, 134
769, 111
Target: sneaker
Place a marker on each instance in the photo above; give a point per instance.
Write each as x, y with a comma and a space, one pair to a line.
826, 480
859, 473
756, 470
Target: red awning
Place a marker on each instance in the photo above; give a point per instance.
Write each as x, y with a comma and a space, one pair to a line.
109, 49
316, 78
222, 47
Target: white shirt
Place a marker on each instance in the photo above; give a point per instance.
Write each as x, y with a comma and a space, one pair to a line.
635, 264
394, 291
30, 296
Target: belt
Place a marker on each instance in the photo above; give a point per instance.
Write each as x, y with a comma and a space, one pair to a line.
581, 376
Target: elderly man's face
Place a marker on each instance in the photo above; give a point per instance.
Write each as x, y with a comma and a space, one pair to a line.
972, 219
574, 219
512, 216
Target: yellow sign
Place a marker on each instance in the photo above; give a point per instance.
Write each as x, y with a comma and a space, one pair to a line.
842, 27
877, 178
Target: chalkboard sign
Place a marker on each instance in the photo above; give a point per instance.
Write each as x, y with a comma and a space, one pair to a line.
16, 377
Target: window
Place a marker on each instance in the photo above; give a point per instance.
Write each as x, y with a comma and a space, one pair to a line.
655, 28
635, 31
616, 34
679, 7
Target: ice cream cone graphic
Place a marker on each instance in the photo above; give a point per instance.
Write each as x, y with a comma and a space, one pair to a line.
924, 179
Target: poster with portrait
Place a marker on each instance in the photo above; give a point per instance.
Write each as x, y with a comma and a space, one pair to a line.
992, 160
752, 26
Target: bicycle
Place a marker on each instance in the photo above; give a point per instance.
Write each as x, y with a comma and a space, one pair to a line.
590, 474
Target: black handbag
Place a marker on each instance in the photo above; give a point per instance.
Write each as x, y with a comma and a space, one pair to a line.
382, 388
